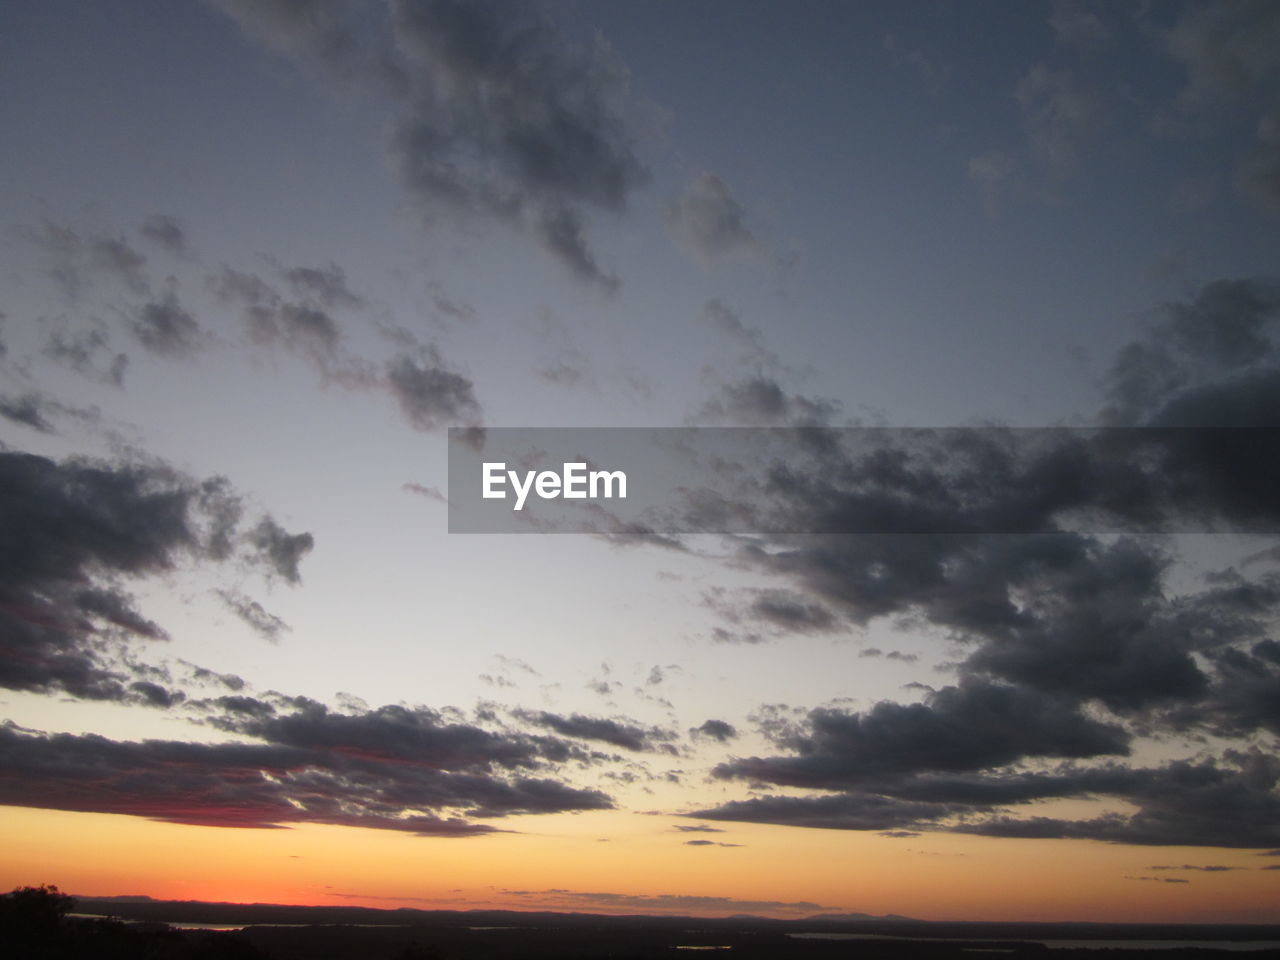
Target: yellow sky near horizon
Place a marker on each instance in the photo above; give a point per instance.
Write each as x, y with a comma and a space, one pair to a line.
559, 862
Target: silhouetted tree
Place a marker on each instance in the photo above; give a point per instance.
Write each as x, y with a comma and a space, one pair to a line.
31, 917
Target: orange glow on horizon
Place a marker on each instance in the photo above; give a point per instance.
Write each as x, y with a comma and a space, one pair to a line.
642, 863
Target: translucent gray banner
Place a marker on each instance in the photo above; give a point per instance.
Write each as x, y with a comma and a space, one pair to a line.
676, 480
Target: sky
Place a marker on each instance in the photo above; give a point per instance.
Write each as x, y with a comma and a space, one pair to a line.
258, 256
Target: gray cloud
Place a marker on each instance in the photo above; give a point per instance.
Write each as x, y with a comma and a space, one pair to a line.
709, 843
708, 222
81, 350
843, 811
399, 734
281, 550
1224, 338
117, 258
266, 625
167, 233
1225, 803
76, 532
791, 612
1071, 644
717, 730
322, 768
973, 726
304, 324
429, 393
74, 260
760, 401
166, 328
326, 285
495, 114
628, 736
29, 409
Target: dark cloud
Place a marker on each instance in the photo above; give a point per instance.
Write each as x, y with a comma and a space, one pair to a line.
1212, 868
394, 734
431, 493
449, 308
117, 258
697, 828
29, 409
304, 320
166, 328
973, 726
708, 222
75, 260
1075, 641
304, 324
281, 550
748, 339
66, 252
628, 736
760, 401
75, 533
764, 614
308, 325
167, 233
709, 843
429, 393
871, 652
717, 730
1196, 354
81, 350
266, 625
561, 234
791, 612
326, 285
495, 113
335, 776
1227, 803
843, 811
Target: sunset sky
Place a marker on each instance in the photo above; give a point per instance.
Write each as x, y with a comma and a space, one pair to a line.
257, 256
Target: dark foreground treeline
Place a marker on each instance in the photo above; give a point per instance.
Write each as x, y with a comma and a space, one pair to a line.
196, 911
36, 924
